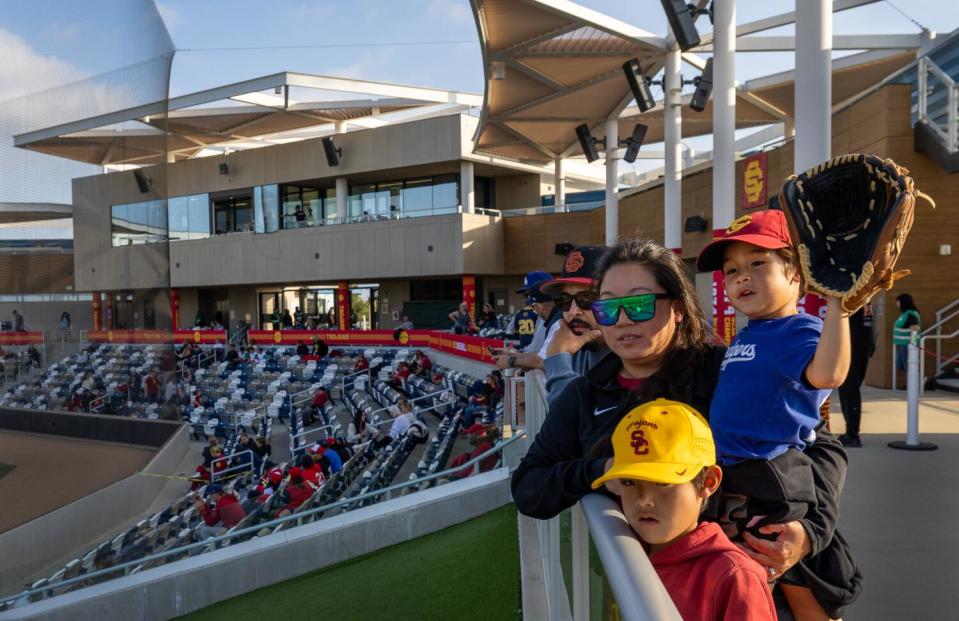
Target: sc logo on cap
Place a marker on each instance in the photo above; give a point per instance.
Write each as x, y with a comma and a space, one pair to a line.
574, 262
739, 224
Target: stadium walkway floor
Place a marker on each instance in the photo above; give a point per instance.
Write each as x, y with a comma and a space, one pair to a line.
898, 509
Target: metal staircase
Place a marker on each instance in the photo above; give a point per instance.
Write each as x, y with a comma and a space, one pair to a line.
934, 77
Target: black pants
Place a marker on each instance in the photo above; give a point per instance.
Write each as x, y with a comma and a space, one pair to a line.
850, 398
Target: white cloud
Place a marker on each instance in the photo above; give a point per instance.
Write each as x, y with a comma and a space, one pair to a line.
456, 11
24, 71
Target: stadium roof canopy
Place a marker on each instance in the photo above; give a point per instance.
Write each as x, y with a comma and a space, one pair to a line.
551, 65
273, 109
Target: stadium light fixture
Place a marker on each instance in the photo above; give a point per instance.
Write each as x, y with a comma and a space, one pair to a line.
144, 183
587, 142
639, 84
333, 154
634, 142
704, 87
682, 21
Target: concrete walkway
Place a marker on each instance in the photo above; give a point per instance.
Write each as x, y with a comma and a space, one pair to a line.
898, 509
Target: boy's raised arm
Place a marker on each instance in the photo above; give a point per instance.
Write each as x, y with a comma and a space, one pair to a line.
829, 365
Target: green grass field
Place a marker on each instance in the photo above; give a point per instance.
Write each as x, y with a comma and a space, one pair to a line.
468, 571
6, 469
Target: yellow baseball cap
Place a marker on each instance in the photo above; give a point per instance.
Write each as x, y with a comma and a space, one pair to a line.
661, 441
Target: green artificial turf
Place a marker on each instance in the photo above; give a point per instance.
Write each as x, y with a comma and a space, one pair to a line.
6, 469
467, 571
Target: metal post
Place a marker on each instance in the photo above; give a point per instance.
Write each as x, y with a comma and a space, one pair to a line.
922, 85
467, 194
342, 190
673, 136
912, 442
559, 180
724, 113
612, 181
952, 118
580, 560
813, 88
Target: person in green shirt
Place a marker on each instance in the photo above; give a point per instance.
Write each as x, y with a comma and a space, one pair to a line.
907, 321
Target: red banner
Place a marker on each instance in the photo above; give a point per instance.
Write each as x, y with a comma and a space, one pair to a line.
724, 315
813, 304
97, 320
107, 310
472, 347
21, 338
469, 294
343, 303
206, 337
755, 181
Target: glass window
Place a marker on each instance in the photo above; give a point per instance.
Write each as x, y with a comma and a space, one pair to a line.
445, 194
178, 210
199, 208
138, 223
418, 197
266, 208
233, 214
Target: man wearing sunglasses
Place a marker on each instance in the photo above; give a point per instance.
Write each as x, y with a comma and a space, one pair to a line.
574, 343
542, 306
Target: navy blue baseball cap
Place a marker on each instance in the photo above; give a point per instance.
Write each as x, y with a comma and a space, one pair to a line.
532, 279
536, 295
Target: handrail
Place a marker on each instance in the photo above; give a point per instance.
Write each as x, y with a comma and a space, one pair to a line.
228, 458
639, 592
940, 363
922, 359
412, 401
27, 593
305, 433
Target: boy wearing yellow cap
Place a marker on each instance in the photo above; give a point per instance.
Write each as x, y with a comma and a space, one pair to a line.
664, 470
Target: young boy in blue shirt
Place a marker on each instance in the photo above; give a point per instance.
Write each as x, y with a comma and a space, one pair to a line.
773, 378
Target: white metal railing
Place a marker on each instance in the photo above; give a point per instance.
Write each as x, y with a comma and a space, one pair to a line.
639, 593
222, 474
933, 333
928, 114
943, 315
544, 209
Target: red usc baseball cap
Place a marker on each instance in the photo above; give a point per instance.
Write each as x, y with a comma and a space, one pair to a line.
578, 269
766, 229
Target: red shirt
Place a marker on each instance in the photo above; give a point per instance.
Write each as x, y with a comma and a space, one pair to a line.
227, 510
361, 365
630, 383
298, 493
403, 373
710, 579
152, 385
320, 399
425, 363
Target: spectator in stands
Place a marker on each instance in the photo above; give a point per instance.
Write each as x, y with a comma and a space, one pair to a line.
287, 320
337, 445
33, 355
217, 323
299, 215
320, 348
406, 324
547, 314
298, 318
296, 493
18, 322
331, 456
263, 449
663, 489
151, 386
302, 349
423, 364
400, 375
331, 319
211, 443
218, 352
65, 324
315, 468
320, 398
232, 358
667, 353
260, 356
461, 319
487, 318
482, 439
419, 431
198, 321
275, 319
361, 364
267, 486
478, 402
242, 458
402, 422
358, 432
224, 513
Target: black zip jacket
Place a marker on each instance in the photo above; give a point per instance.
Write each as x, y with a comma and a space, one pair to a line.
556, 471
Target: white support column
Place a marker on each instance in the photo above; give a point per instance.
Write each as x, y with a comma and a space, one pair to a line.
559, 180
612, 181
813, 94
724, 113
673, 136
467, 193
339, 127
342, 190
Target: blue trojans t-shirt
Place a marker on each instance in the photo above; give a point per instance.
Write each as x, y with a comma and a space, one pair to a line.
762, 405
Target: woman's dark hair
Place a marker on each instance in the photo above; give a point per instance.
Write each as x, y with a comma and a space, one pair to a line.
906, 302
693, 334
359, 421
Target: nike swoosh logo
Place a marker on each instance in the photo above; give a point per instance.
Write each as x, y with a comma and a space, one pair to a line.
598, 411
682, 472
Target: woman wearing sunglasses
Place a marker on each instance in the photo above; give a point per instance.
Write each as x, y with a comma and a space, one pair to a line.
649, 316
